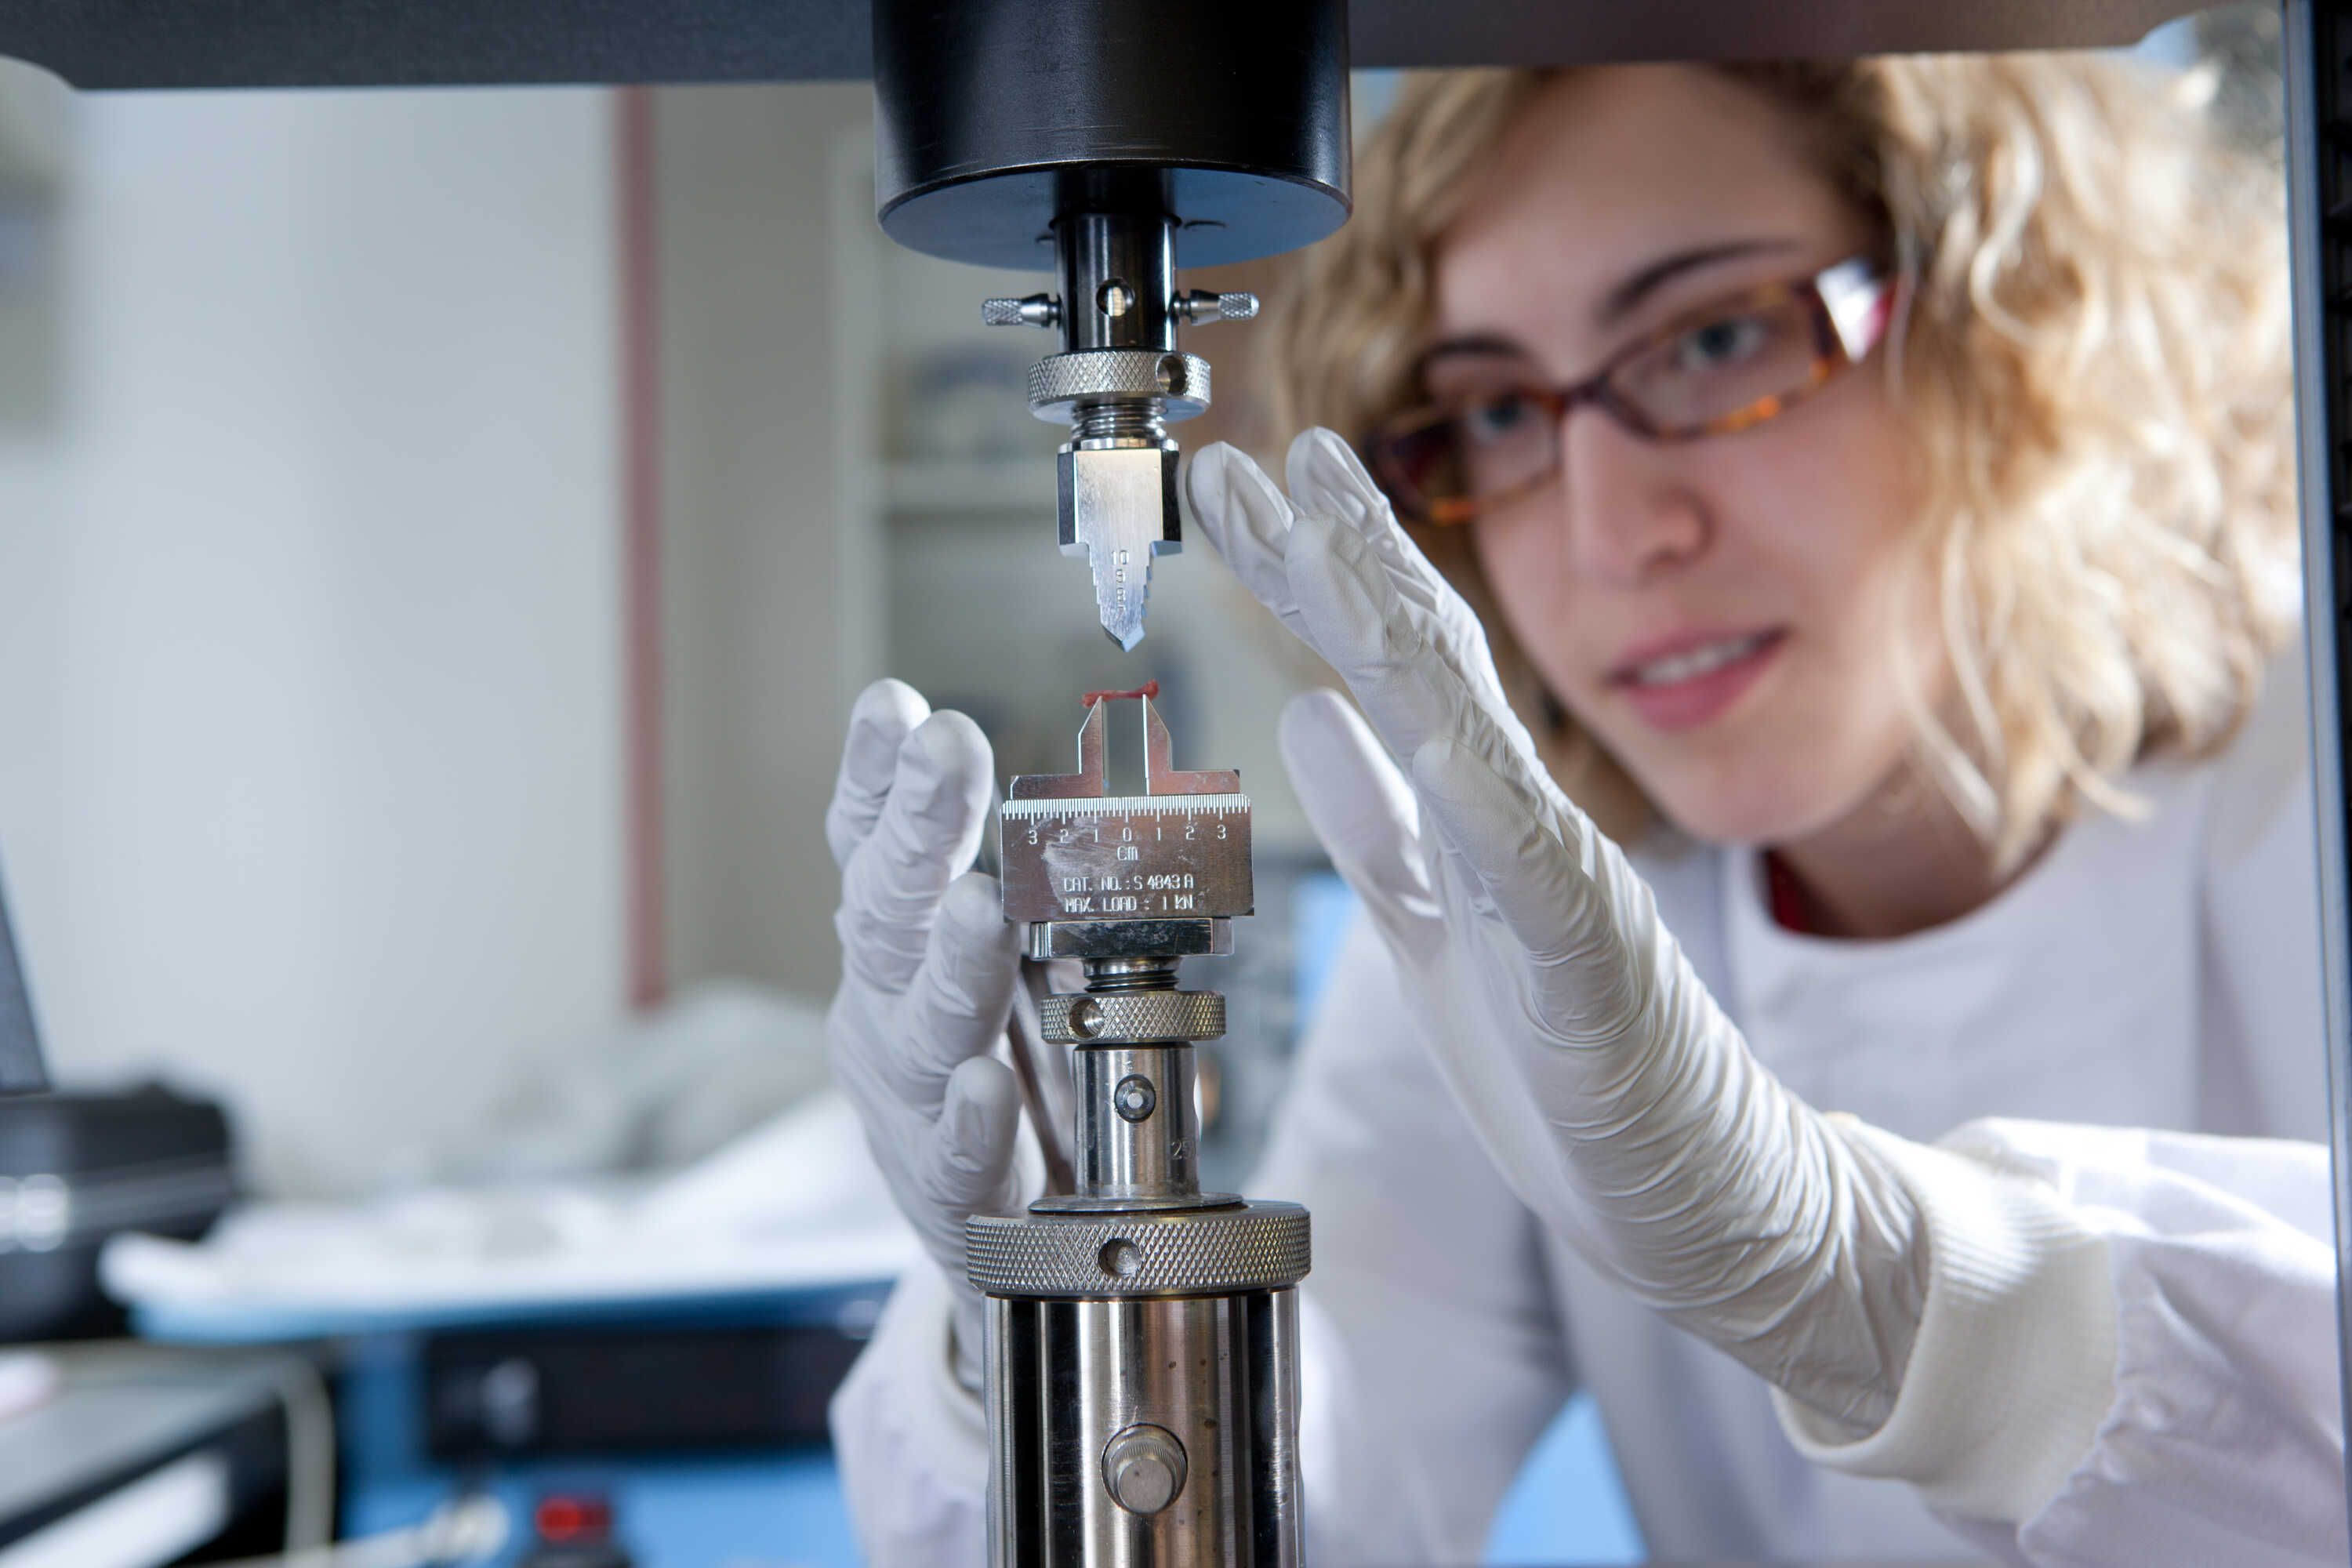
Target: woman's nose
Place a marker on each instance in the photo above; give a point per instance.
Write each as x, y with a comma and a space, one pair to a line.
1628, 514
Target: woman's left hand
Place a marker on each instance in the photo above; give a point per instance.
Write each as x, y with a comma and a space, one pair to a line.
1620, 1102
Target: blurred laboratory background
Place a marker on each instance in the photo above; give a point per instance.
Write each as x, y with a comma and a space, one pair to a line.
441, 535
443, 532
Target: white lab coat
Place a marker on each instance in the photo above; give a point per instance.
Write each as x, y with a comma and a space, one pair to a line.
2161, 974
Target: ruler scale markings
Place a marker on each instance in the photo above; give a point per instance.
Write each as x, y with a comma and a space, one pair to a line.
1116, 857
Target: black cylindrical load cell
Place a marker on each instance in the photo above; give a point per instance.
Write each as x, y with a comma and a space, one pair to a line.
995, 120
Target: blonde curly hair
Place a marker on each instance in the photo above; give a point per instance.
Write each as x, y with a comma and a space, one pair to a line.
2093, 362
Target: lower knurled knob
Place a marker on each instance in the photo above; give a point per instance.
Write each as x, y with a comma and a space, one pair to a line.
1132, 1018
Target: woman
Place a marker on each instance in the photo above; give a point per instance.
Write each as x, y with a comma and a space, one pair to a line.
1873, 483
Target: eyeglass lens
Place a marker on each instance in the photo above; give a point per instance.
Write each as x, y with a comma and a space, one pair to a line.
1719, 371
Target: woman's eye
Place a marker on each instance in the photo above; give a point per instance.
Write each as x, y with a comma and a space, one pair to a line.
1490, 419
1719, 342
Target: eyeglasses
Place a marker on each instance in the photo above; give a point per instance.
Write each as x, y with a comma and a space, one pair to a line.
1724, 367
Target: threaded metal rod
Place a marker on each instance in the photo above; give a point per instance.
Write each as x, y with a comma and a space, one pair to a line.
1124, 420
1106, 975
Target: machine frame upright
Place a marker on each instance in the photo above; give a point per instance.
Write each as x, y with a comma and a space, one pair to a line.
2318, 67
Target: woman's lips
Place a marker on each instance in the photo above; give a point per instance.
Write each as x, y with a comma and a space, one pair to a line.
1696, 680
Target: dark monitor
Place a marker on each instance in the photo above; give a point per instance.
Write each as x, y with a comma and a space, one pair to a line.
20, 1043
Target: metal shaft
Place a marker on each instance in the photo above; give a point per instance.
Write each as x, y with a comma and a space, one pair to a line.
1135, 1134
1118, 281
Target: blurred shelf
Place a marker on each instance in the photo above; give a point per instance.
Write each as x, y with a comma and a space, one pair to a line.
969, 485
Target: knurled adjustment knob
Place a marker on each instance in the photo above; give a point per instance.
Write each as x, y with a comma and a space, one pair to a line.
1199, 305
1035, 310
1132, 1018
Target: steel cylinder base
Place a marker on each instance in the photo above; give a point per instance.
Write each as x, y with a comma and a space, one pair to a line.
1159, 1431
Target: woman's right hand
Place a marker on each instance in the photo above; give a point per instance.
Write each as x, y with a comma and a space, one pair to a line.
1615, 1097
927, 972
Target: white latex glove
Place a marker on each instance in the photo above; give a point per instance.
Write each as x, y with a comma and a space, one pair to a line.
927, 972
1615, 1097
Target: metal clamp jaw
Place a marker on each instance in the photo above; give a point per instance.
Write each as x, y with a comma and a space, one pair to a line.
1119, 381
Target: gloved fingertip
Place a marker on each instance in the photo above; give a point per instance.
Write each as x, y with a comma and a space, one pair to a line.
1255, 505
1204, 482
1326, 475
1343, 599
1490, 826
1247, 522
1460, 791
1299, 462
1446, 770
974, 906
890, 702
881, 719
950, 733
1320, 529
945, 750
981, 1109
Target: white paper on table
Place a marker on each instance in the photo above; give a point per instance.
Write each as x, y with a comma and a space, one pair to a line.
796, 1204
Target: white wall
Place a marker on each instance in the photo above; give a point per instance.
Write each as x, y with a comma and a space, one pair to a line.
309, 598
772, 601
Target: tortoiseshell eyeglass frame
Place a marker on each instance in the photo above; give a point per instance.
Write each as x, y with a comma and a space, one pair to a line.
1850, 305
